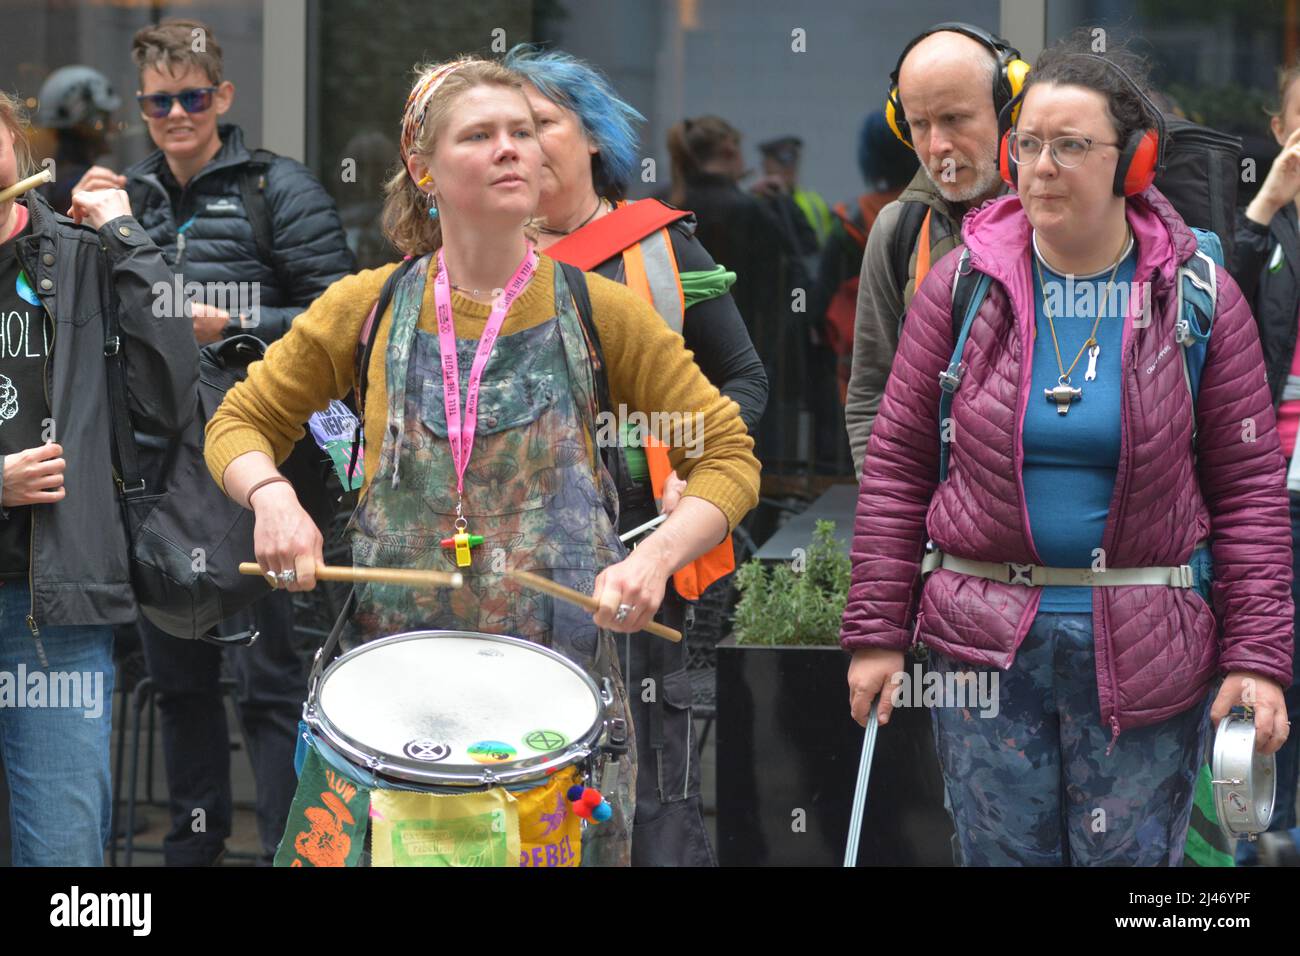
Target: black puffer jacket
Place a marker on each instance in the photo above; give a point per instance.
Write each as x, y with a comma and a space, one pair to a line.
1266, 264
310, 250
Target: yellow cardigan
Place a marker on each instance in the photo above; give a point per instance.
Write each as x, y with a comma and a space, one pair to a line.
648, 366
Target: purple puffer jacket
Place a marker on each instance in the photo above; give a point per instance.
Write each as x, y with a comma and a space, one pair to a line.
1157, 648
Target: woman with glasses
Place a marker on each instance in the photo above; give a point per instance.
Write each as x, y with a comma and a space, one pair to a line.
1083, 480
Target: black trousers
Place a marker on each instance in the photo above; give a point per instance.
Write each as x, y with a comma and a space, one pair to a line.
270, 686
668, 829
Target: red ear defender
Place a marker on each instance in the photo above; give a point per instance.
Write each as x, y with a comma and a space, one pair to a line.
1005, 165
1138, 163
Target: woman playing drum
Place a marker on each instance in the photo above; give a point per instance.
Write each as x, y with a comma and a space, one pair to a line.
503, 442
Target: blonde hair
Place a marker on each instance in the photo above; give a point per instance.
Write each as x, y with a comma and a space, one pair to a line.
406, 219
13, 117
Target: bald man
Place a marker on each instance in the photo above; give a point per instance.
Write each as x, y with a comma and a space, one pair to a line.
946, 85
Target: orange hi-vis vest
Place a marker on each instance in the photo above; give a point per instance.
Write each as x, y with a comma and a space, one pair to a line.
639, 232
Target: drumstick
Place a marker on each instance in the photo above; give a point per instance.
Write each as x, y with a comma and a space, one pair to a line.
584, 601
402, 576
24, 185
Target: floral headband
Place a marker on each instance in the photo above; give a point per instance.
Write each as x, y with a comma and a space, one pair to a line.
417, 104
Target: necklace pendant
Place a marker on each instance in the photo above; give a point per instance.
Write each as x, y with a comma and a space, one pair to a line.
1093, 353
1064, 395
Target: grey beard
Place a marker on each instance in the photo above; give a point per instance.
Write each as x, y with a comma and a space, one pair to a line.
985, 185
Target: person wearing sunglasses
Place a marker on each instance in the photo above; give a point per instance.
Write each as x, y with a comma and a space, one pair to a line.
226, 217
1088, 485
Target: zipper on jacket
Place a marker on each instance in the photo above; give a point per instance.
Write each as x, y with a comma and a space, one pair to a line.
31, 546
1125, 449
31, 540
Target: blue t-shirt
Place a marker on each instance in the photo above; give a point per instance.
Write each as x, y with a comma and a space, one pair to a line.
1071, 459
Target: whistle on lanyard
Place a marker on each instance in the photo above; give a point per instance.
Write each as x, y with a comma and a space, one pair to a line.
462, 541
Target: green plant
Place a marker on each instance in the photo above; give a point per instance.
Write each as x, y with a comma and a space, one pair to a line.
796, 602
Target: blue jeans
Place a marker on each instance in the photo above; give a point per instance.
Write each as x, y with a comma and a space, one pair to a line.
1029, 783
55, 723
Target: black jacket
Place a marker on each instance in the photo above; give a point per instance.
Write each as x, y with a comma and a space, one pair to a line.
79, 564
713, 329
1273, 293
310, 248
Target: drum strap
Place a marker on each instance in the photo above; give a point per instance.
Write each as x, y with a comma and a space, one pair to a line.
334, 640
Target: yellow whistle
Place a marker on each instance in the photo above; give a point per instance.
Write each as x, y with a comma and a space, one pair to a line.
461, 541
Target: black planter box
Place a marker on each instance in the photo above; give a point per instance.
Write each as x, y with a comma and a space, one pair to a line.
786, 743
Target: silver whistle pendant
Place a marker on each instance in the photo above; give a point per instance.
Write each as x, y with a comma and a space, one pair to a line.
1091, 374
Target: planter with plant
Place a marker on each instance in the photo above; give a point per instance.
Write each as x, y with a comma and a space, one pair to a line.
787, 749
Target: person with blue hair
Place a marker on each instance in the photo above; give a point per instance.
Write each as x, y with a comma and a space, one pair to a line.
589, 144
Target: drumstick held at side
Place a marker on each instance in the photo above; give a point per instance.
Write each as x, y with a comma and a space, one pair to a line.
26, 185
584, 601
402, 576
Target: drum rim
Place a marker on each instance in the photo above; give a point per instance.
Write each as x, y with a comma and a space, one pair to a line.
1234, 726
538, 767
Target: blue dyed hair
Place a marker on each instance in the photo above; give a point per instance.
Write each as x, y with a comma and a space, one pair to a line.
607, 120
886, 163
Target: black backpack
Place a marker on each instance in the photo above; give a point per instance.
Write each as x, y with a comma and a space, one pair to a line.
1202, 169
186, 537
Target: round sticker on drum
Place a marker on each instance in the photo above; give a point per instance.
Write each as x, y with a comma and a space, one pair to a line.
491, 751
422, 748
544, 741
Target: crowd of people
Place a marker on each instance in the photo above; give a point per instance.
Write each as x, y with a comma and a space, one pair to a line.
1121, 550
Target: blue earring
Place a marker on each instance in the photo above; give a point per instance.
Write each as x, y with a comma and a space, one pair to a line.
433, 207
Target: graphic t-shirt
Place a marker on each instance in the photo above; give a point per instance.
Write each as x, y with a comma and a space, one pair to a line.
24, 345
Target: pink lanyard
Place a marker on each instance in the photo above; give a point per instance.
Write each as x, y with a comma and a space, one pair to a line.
461, 433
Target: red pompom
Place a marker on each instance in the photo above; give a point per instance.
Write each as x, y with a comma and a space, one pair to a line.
591, 797
582, 810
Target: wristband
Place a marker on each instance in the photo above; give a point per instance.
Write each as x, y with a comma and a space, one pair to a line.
248, 498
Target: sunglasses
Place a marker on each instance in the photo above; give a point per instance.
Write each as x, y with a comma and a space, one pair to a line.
158, 105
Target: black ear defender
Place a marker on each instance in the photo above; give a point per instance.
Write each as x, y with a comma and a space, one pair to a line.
1007, 82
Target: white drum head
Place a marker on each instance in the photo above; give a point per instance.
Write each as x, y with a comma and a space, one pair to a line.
457, 707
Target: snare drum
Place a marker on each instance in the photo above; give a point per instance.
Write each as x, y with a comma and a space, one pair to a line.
470, 718
1245, 780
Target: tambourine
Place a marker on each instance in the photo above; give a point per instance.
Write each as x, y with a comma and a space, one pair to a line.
1244, 780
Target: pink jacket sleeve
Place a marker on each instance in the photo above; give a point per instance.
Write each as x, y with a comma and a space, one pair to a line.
1243, 479
900, 475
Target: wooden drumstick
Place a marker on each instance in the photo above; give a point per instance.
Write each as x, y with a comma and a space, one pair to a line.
403, 576
584, 601
26, 185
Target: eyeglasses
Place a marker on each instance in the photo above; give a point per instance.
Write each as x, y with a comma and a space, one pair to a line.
158, 105
1067, 151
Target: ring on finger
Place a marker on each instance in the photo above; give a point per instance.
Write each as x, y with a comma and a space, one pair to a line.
623, 611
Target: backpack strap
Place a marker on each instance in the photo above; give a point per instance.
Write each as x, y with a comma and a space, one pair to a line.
904, 241
365, 349
1197, 299
609, 235
969, 289
252, 191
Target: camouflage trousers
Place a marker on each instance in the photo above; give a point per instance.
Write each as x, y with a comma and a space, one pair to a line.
1029, 783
